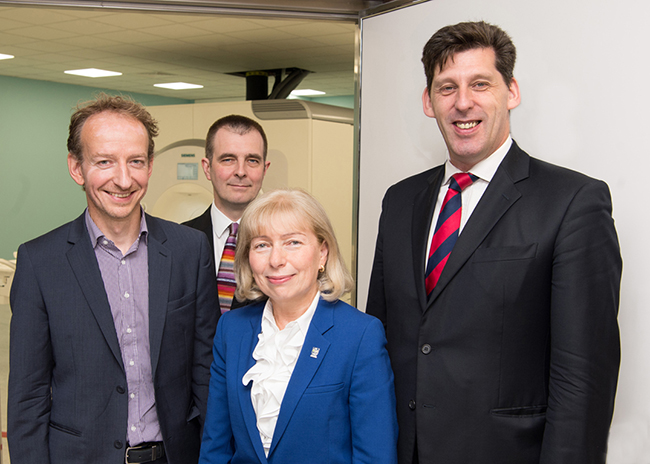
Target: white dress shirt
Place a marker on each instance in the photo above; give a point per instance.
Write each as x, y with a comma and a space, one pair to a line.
276, 354
220, 232
472, 194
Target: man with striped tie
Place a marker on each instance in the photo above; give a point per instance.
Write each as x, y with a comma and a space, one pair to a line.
235, 163
497, 278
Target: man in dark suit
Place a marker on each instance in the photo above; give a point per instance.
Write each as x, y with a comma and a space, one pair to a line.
235, 163
501, 317
113, 314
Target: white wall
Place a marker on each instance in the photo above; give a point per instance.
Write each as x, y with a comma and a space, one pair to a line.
582, 69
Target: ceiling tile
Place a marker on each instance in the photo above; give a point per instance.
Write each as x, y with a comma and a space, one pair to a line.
151, 48
85, 26
43, 33
135, 21
38, 16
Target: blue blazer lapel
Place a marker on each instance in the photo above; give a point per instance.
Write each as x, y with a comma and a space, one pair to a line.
246, 361
306, 366
83, 262
500, 195
160, 267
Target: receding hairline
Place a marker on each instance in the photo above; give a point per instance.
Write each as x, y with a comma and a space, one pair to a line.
112, 112
241, 132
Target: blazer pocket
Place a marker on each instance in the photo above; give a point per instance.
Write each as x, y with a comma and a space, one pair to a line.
64, 429
323, 388
181, 302
193, 414
509, 253
524, 411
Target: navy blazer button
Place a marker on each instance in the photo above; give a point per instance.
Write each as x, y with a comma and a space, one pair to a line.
120, 389
426, 348
118, 444
412, 404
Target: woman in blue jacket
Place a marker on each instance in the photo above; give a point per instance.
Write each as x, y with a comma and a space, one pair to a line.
298, 376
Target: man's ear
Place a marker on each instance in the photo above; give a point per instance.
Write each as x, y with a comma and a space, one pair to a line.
74, 168
205, 164
514, 98
427, 104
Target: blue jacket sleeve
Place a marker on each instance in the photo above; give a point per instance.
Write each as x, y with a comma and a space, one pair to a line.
217, 446
372, 401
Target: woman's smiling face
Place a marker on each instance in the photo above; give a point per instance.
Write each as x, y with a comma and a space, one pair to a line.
285, 259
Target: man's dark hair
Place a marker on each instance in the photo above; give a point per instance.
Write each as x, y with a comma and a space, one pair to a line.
450, 40
239, 125
112, 103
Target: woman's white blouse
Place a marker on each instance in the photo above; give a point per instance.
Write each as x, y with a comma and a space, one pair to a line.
276, 355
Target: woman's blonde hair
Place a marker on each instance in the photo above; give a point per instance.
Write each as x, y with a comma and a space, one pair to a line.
300, 208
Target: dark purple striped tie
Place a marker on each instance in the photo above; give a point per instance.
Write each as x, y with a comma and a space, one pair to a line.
446, 233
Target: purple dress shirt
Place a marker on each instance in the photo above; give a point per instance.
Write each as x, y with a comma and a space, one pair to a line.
126, 281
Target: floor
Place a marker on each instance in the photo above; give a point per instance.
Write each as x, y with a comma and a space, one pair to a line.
5, 317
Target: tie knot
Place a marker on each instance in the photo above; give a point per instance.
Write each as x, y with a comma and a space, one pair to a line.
460, 181
233, 228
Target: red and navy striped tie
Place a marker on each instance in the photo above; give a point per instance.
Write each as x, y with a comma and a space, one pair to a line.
226, 274
447, 227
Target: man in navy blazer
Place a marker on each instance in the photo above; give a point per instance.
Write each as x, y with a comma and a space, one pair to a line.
235, 163
506, 348
113, 314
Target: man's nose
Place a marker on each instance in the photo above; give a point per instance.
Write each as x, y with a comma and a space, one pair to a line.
464, 99
122, 176
240, 168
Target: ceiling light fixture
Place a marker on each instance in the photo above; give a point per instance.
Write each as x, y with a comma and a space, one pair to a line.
178, 86
5, 57
305, 93
93, 72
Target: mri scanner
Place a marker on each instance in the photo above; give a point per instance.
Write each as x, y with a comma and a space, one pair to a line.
311, 146
179, 190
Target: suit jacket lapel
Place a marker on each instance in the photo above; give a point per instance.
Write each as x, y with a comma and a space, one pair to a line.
160, 266
423, 206
81, 257
246, 361
306, 366
204, 223
500, 195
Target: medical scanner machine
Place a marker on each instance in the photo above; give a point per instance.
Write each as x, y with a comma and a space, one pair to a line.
311, 146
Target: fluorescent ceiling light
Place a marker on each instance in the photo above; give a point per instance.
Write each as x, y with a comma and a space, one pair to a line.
93, 72
5, 57
306, 93
178, 86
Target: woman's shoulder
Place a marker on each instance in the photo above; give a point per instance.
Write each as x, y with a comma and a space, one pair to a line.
347, 313
243, 314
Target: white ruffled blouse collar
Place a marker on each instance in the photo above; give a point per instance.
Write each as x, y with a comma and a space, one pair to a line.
276, 355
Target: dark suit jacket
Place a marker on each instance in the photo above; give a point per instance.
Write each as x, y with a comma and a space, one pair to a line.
67, 385
339, 406
204, 224
514, 357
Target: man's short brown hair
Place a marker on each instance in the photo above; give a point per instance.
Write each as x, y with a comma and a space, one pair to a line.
450, 40
239, 125
112, 103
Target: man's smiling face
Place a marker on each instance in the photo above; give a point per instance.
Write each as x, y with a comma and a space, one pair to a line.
471, 104
115, 169
236, 170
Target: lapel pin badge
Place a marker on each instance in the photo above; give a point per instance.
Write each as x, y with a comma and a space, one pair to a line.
314, 352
